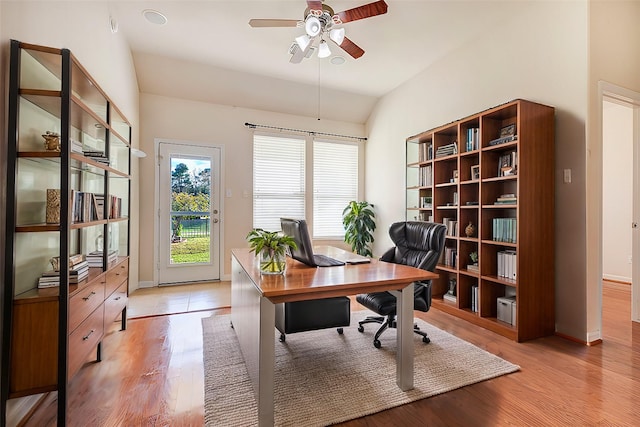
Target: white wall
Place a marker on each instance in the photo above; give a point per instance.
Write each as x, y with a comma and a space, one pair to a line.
617, 191
540, 55
82, 27
179, 119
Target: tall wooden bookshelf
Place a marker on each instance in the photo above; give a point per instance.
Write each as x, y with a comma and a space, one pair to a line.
495, 171
50, 330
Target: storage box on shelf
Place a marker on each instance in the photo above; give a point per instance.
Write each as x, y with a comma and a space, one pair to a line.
492, 184
68, 200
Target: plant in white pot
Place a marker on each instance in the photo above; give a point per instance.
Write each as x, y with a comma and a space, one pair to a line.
359, 223
271, 247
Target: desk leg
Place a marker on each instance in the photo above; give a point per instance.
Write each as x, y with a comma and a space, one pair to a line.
254, 319
267, 363
404, 355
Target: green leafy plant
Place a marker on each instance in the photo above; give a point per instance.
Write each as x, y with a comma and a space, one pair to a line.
474, 256
271, 246
359, 223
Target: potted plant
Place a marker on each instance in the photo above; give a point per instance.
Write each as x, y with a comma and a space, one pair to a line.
271, 246
359, 223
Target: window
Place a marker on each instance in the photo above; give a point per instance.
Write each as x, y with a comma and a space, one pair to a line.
335, 184
280, 177
278, 180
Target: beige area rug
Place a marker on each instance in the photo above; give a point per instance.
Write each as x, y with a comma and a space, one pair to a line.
323, 378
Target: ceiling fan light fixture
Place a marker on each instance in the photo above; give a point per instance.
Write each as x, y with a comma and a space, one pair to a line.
323, 50
303, 41
312, 26
337, 35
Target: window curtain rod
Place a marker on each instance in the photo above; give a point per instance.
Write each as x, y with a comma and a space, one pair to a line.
308, 132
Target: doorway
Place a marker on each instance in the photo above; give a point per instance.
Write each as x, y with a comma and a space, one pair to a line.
621, 184
188, 212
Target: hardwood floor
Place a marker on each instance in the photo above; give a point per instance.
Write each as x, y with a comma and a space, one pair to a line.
152, 375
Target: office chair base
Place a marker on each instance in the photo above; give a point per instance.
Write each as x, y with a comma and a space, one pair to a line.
283, 337
389, 322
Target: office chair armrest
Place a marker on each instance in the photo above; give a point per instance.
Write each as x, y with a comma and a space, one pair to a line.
389, 255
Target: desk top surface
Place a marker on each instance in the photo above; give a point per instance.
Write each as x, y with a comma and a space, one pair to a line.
301, 282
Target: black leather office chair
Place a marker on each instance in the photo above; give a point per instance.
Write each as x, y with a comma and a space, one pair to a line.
418, 244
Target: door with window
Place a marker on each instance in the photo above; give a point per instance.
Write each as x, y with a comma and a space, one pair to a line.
188, 213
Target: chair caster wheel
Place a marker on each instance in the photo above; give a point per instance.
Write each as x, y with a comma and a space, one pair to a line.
360, 328
283, 338
377, 343
426, 340
340, 331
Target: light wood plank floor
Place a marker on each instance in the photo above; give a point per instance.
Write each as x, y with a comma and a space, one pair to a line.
152, 375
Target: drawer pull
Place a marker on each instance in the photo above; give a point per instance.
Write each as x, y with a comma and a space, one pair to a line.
86, 337
88, 296
117, 298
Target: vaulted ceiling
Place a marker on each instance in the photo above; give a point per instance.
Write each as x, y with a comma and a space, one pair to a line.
208, 52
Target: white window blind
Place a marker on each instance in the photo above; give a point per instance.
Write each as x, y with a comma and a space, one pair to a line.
278, 180
335, 184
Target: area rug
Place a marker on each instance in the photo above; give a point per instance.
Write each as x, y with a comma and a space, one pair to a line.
322, 377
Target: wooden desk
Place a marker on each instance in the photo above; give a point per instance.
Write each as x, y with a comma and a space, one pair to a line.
253, 311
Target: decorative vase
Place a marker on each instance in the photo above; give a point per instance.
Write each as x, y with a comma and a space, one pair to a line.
52, 215
51, 141
470, 230
272, 263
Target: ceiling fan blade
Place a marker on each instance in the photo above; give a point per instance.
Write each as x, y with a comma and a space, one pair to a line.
314, 4
258, 23
351, 48
364, 11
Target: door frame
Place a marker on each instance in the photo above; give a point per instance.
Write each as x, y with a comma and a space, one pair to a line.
156, 216
608, 90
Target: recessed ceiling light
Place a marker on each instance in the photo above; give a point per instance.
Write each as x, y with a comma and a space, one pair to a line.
154, 17
338, 60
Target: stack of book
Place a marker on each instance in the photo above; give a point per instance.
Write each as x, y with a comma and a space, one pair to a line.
474, 299
78, 271
97, 155
447, 150
505, 230
473, 139
507, 199
76, 146
452, 226
95, 258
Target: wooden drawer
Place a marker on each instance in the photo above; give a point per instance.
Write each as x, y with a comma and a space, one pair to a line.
116, 276
115, 303
84, 340
85, 301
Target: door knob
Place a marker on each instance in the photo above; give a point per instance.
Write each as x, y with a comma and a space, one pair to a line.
634, 225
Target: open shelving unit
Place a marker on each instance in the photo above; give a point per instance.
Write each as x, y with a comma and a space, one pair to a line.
50, 332
491, 174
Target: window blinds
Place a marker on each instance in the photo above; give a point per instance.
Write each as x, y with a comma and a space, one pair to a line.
278, 180
335, 184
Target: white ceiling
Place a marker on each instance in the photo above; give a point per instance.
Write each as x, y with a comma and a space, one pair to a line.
211, 41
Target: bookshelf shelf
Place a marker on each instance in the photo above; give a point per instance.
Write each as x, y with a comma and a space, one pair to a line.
54, 320
503, 185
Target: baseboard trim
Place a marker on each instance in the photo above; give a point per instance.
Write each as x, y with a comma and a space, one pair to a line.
579, 341
146, 284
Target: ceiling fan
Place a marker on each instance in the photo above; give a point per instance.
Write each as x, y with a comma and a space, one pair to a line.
320, 22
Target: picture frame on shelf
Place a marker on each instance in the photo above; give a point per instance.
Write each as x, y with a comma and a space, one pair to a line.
475, 172
509, 130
